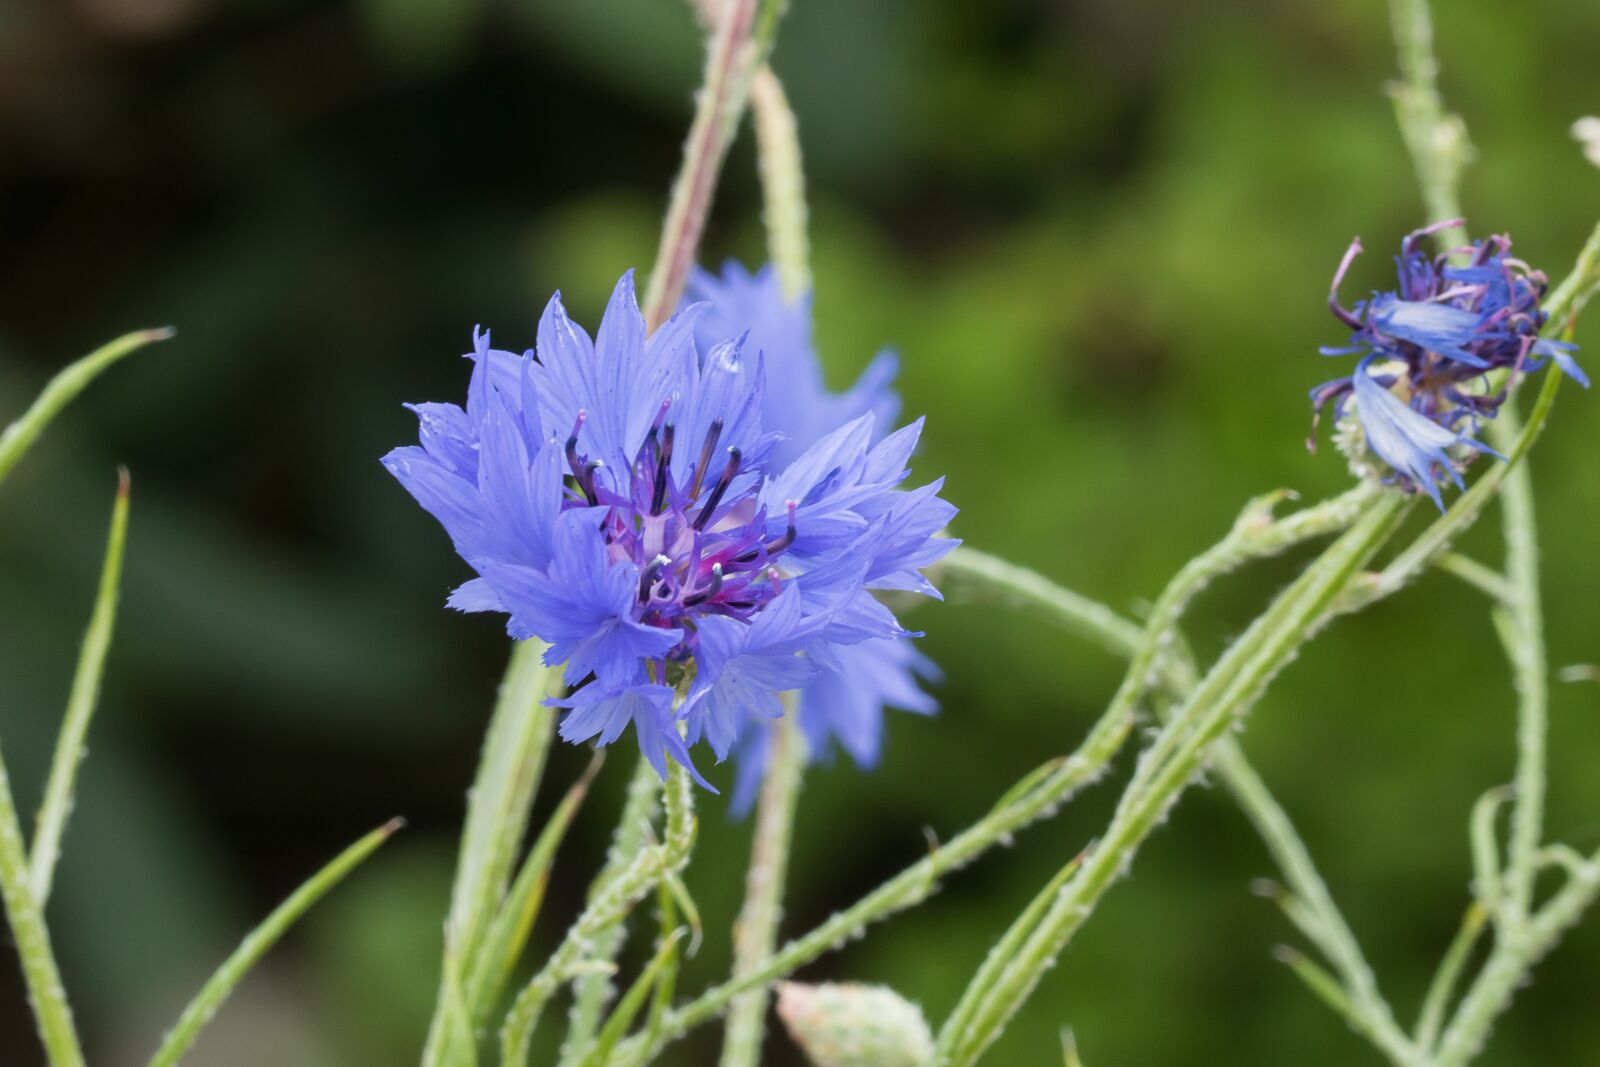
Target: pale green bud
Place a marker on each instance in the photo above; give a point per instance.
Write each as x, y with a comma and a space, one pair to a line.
852, 1025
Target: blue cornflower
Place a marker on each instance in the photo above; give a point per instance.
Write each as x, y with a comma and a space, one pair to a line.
618, 501
850, 685
1420, 386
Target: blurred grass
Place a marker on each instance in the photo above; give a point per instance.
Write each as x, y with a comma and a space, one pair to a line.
1098, 234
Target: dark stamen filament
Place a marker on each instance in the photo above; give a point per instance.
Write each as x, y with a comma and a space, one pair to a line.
658, 498
711, 590
710, 446
726, 479
647, 580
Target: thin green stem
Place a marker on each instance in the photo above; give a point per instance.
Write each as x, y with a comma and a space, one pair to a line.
1486, 847
1525, 650
755, 931
783, 183
593, 991
1225, 694
1444, 981
1369, 1012
486, 976
1577, 287
255, 945
646, 870
62, 389
722, 97
1509, 963
1254, 536
1437, 141
514, 750
967, 571
906, 889
45, 991
999, 958
58, 791
1486, 580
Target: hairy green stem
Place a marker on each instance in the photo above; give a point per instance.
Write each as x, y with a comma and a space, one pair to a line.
642, 874
1525, 650
1437, 141
1368, 1011
593, 991
1509, 963
58, 791
498, 803
45, 992
1576, 288
1444, 981
756, 929
729, 65
1226, 693
910, 887
1098, 623
783, 183
1254, 536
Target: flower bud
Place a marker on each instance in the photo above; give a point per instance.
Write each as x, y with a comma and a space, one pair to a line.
853, 1025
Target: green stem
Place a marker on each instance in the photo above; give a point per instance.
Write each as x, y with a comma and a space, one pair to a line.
255, 945
1098, 623
1254, 536
1525, 649
756, 929
62, 389
1437, 141
1449, 973
593, 991
514, 750
722, 97
967, 571
648, 867
1578, 286
1225, 694
1368, 1011
783, 183
57, 805
485, 977
1508, 965
45, 991
910, 887
1486, 580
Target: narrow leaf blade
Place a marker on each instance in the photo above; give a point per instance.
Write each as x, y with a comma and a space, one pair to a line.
258, 941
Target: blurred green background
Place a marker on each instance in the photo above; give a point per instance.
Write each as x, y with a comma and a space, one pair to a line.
1099, 233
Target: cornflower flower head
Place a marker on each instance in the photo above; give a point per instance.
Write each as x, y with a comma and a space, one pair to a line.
617, 499
844, 700
1428, 352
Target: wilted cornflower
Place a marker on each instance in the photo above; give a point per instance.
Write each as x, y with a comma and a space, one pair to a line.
1421, 386
618, 500
851, 685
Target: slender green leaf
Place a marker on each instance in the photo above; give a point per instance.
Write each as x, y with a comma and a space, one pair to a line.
258, 941
61, 391
514, 750
507, 936
628, 1007
46, 994
85, 694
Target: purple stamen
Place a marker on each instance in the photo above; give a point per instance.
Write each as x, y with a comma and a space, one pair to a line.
725, 480
710, 446
658, 498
